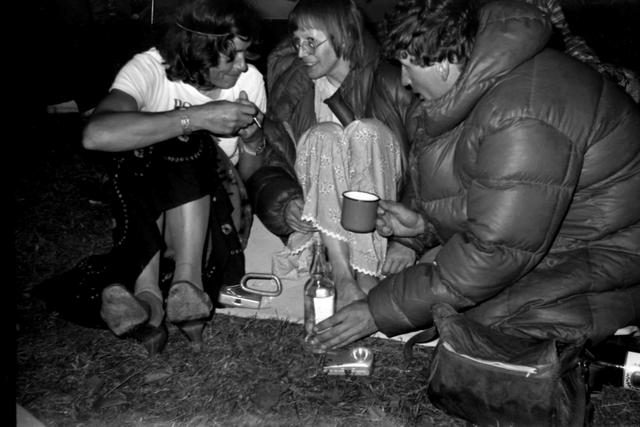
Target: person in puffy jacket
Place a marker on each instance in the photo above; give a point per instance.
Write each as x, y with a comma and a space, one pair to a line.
335, 122
526, 169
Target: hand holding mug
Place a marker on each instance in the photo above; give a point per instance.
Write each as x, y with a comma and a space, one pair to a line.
396, 219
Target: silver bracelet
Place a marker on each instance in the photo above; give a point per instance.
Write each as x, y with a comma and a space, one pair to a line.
185, 122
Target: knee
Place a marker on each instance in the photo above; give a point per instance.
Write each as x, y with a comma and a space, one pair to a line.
321, 132
324, 128
368, 124
370, 130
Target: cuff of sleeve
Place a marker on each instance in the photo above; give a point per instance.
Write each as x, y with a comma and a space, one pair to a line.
385, 302
270, 191
414, 243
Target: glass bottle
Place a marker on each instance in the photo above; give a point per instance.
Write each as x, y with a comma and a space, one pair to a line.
319, 292
615, 362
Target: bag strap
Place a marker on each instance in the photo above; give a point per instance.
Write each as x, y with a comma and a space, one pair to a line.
421, 337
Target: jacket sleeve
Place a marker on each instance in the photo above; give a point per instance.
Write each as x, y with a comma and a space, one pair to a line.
274, 184
520, 190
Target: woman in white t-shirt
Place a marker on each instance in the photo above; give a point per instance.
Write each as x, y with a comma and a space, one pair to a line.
174, 114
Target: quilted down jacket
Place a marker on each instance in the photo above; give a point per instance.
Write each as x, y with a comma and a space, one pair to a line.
371, 89
528, 172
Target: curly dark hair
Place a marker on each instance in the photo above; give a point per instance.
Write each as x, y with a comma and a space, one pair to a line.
204, 31
341, 20
430, 31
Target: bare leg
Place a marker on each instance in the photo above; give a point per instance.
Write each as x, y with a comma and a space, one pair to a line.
187, 228
347, 288
187, 304
147, 289
147, 286
153, 335
168, 238
140, 314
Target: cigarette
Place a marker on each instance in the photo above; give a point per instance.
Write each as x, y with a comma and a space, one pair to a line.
257, 122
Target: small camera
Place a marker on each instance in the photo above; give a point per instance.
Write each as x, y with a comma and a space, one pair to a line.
357, 361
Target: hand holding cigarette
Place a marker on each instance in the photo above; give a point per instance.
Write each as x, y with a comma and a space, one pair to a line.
251, 132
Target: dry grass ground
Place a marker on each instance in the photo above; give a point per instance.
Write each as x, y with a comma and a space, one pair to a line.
250, 372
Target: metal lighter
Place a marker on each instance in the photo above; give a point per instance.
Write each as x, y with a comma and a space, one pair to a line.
357, 361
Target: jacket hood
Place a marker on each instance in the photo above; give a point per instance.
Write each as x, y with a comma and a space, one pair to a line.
509, 33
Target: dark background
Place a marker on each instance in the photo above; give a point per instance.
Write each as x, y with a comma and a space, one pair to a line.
85, 42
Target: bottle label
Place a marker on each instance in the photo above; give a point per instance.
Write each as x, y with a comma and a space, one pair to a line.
323, 308
632, 371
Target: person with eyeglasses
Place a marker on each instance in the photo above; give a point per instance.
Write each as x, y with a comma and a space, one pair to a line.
335, 122
180, 118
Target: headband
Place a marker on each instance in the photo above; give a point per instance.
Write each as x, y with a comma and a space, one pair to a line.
200, 33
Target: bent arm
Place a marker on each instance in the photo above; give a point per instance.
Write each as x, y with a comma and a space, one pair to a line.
429, 238
275, 184
522, 186
117, 125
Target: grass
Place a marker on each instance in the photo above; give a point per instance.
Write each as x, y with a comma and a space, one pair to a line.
250, 372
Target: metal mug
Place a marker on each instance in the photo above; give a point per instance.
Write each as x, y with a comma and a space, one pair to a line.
359, 211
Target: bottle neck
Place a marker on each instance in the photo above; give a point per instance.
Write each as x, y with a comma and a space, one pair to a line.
319, 262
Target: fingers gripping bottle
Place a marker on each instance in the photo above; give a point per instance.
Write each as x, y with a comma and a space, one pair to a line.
319, 291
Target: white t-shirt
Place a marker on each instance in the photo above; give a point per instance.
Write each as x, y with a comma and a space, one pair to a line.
145, 79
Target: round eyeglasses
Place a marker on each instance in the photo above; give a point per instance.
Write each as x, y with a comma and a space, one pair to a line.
309, 45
